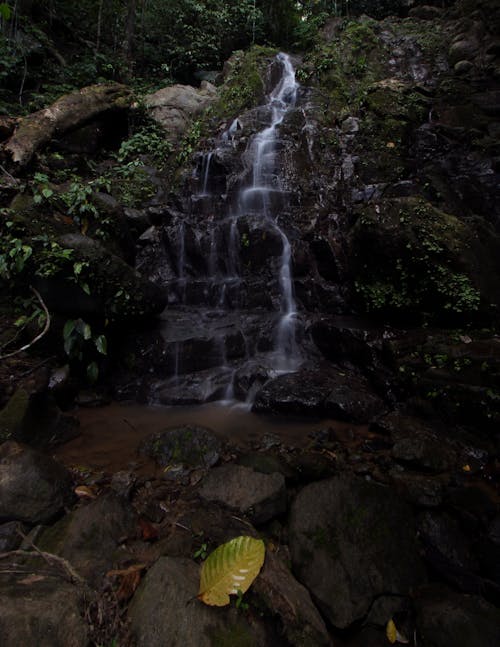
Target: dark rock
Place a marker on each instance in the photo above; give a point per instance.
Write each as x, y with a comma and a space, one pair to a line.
89, 536
11, 535
341, 394
352, 541
190, 446
462, 50
164, 611
418, 489
34, 488
425, 12
265, 463
13, 415
446, 618
462, 67
46, 611
260, 496
284, 596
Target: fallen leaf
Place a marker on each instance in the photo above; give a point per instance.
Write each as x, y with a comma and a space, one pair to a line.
391, 632
230, 570
130, 580
85, 492
149, 532
31, 579
391, 145
466, 468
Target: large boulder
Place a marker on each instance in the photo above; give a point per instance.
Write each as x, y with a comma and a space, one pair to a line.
174, 107
190, 446
339, 393
165, 611
34, 488
352, 541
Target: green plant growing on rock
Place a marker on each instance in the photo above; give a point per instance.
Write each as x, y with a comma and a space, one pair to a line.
79, 342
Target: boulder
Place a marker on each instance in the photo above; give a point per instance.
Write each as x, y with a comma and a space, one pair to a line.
34, 488
165, 611
190, 446
173, 107
339, 393
117, 291
291, 601
43, 610
446, 618
260, 496
352, 541
89, 536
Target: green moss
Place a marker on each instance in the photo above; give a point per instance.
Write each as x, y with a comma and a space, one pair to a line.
417, 262
244, 86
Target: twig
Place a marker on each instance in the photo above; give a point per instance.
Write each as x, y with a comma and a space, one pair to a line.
40, 335
6, 172
48, 557
37, 366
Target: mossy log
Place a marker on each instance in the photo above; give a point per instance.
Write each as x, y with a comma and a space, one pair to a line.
67, 113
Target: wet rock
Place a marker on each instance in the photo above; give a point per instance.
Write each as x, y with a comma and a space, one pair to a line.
11, 535
43, 610
425, 12
265, 464
164, 611
418, 489
447, 618
351, 541
449, 549
340, 394
34, 488
286, 597
462, 67
260, 496
89, 536
190, 445
462, 50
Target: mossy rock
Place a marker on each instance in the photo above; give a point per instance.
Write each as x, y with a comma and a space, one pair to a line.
408, 257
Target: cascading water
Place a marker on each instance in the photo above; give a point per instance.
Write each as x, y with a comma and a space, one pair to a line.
235, 323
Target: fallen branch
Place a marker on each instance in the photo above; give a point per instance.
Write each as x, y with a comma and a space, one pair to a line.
67, 113
40, 335
50, 558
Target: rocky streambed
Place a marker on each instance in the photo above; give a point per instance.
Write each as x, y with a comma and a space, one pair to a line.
362, 523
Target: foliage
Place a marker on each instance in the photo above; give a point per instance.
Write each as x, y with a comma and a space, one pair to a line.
230, 569
79, 343
148, 139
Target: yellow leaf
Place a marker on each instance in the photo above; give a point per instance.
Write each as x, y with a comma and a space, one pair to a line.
466, 468
391, 145
232, 567
391, 632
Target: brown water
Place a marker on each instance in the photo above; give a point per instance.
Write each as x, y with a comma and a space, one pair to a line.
110, 435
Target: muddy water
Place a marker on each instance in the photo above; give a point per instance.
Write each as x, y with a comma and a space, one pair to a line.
110, 435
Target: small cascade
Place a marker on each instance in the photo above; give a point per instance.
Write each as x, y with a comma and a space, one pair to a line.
236, 320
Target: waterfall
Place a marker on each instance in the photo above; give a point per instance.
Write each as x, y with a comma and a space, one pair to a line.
257, 199
235, 324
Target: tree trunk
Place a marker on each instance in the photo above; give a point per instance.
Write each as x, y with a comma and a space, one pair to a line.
68, 112
128, 43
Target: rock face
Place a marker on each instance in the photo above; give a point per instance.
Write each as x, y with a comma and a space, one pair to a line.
47, 612
164, 611
34, 488
351, 541
260, 496
175, 106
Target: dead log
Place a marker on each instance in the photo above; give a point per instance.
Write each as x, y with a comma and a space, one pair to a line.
67, 113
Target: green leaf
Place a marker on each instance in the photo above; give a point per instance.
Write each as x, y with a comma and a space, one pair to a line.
47, 193
87, 331
69, 326
37, 198
232, 567
101, 343
92, 372
85, 287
